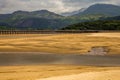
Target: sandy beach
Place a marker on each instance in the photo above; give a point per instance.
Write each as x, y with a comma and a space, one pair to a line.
103, 75
59, 72
60, 57
61, 43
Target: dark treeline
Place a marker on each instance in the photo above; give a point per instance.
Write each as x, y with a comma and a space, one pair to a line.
95, 25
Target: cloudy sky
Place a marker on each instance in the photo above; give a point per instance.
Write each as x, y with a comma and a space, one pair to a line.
58, 6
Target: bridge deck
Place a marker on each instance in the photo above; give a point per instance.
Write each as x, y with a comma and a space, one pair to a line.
49, 31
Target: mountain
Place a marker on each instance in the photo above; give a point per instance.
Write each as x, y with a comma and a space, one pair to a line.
101, 9
39, 14
18, 15
39, 24
44, 19
73, 12
25, 14
109, 23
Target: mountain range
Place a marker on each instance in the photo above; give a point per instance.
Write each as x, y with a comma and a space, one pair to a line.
44, 19
103, 9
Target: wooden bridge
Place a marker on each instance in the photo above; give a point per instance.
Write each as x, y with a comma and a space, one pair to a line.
49, 31
44, 31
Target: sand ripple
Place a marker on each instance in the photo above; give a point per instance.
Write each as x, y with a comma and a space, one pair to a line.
104, 75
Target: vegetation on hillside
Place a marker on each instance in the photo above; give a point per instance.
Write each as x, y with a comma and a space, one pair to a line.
95, 25
46, 20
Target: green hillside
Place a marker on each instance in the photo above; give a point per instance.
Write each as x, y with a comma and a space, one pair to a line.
47, 20
95, 25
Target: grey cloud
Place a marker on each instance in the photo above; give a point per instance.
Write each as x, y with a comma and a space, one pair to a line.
2, 4
77, 4
58, 6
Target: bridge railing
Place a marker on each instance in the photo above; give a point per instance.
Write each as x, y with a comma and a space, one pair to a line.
51, 31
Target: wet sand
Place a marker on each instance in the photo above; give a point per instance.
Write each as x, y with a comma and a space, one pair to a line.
114, 35
71, 59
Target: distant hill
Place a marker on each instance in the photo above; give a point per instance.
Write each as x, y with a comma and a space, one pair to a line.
98, 17
4, 26
44, 19
25, 14
39, 23
38, 14
97, 12
101, 9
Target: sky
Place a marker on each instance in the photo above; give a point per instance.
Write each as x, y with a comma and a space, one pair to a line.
57, 6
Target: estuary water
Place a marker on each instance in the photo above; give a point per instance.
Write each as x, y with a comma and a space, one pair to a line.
67, 59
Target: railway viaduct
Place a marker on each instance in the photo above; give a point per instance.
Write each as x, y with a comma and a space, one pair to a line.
45, 31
